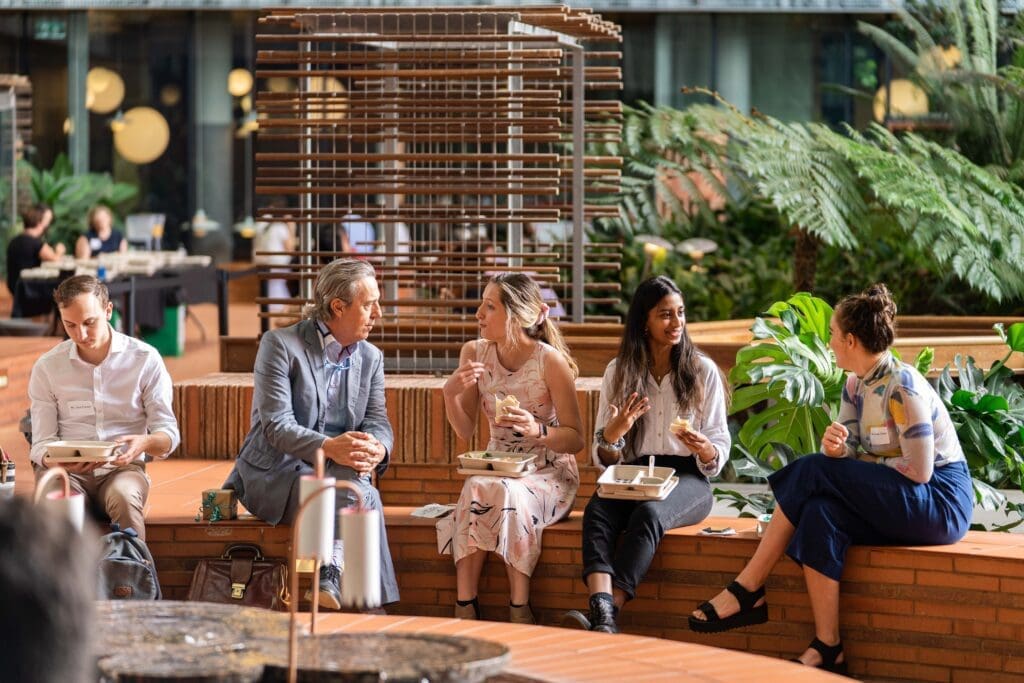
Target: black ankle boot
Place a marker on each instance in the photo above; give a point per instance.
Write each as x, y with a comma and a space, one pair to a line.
603, 613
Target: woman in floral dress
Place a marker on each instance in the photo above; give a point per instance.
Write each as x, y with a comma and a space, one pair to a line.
520, 353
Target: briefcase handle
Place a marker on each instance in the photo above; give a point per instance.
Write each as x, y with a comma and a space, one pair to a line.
242, 547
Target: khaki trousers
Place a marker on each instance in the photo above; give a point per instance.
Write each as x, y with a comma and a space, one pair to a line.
120, 493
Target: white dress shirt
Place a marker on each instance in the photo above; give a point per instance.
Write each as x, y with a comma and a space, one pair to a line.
710, 420
128, 393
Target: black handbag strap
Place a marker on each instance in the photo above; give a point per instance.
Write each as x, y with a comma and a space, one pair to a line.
257, 553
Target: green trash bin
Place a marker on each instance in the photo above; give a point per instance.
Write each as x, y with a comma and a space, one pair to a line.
169, 340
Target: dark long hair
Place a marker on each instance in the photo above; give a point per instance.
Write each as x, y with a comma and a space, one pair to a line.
633, 361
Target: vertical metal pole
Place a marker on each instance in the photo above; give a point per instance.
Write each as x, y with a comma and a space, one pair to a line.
249, 200
578, 151
665, 86
78, 69
515, 148
264, 308
222, 302
306, 198
391, 199
10, 167
129, 315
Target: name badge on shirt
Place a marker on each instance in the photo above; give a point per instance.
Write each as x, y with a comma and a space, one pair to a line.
80, 408
879, 436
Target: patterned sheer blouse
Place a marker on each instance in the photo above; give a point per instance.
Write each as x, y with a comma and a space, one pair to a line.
894, 414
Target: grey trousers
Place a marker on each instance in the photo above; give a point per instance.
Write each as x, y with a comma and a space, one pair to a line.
641, 525
344, 498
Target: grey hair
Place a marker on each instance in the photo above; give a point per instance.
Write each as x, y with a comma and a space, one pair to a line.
337, 280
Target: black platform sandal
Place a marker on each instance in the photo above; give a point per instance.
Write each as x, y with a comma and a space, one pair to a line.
749, 615
829, 655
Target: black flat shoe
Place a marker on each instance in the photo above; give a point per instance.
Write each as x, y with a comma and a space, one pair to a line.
749, 615
829, 655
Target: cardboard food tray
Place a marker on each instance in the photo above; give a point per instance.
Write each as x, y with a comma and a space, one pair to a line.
530, 469
616, 494
497, 461
627, 478
73, 450
81, 458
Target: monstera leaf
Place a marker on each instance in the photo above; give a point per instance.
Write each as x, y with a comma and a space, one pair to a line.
787, 378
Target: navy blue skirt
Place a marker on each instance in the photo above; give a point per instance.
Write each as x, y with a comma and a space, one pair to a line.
838, 502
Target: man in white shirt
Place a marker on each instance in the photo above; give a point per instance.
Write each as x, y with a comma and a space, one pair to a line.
105, 386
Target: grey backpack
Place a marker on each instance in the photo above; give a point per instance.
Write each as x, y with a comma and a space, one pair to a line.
127, 570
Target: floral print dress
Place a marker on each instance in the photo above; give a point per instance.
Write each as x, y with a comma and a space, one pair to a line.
503, 514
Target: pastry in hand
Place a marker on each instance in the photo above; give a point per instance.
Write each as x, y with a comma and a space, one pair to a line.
680, 424
501, 405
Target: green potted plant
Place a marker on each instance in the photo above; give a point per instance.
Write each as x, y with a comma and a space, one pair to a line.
987, 409
72, 195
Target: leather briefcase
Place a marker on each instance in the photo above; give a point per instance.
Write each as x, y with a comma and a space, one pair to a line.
241, 576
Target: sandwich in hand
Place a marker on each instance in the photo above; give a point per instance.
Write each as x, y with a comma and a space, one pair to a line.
680, 424
501, 405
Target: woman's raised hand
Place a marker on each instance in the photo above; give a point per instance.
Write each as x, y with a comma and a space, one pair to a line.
465, 376
833, 442
621, 420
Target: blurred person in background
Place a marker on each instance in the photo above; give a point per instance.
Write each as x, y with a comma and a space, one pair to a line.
29, 249
101, 237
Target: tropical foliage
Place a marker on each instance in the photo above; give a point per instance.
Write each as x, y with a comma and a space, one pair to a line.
793, 375
928, 211
787, 389
832, 187
71, 196
988, 411
952, 52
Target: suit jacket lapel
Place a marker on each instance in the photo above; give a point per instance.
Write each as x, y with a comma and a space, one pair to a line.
315, 357
354, 373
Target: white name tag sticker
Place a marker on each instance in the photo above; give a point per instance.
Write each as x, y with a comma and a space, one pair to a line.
879, 436
80, 408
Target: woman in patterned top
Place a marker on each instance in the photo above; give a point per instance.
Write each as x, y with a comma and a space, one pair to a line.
520, 353
891, 471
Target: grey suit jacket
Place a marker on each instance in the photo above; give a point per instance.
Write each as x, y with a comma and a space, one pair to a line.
289, 412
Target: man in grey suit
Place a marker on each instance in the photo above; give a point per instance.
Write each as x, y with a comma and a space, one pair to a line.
320, 384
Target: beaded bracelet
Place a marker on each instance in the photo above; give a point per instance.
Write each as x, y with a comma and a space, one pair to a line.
604, 445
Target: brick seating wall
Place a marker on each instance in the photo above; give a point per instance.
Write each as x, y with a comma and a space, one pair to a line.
952, 613
214, 414
414, 484
945, 614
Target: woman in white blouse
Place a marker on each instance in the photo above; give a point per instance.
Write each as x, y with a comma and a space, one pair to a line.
660, 397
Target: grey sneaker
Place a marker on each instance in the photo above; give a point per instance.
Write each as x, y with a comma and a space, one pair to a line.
329, 594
